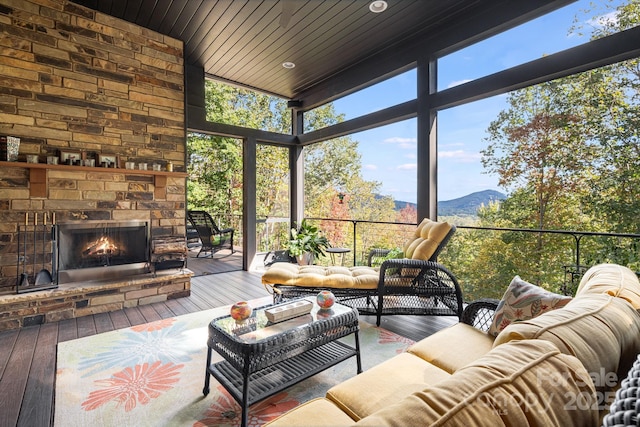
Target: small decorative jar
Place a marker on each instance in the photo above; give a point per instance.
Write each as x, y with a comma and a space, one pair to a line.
241, 311
325, 300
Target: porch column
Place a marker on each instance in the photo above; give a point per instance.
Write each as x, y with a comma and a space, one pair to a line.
296, 171
427, 150
248, 201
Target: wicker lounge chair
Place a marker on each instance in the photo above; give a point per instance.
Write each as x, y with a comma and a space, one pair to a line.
213, 239
416, 285
624, 409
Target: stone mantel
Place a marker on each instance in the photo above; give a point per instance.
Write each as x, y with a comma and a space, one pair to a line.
38, 183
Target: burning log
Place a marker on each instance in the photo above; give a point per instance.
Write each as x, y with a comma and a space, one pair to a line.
100, 247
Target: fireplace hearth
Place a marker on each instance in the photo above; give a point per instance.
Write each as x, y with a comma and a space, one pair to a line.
99, 250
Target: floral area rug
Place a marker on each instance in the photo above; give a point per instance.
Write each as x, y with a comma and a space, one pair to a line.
153, 375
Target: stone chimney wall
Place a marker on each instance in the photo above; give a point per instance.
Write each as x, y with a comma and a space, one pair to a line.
75, 80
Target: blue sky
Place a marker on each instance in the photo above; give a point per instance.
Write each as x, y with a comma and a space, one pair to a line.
389, 153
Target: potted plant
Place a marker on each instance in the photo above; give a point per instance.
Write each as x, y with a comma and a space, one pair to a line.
307, 243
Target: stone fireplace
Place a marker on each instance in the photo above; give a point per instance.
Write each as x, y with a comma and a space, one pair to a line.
87, 84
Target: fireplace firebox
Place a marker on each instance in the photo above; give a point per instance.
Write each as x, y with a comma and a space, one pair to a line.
98, 250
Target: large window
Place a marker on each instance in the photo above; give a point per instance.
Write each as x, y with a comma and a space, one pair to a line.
461, 134
561, 29
390, 92
242, 107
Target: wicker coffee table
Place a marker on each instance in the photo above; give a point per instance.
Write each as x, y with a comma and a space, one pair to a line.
263, 358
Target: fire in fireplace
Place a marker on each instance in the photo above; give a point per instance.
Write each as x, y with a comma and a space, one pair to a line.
96, 250
103, 246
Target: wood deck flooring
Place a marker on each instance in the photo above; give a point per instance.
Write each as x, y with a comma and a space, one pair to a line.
28, 355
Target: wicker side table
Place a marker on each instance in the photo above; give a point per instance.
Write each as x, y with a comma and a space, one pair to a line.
262, 359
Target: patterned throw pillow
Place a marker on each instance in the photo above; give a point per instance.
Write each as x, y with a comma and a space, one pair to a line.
524, 301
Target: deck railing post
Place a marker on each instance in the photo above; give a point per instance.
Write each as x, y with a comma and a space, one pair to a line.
355, 224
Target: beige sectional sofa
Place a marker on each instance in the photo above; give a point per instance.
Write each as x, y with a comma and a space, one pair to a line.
561, 367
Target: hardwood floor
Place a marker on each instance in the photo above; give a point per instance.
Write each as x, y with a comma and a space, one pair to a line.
28, 355
221, 262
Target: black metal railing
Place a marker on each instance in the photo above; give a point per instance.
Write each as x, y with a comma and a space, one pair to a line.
561, 271
556, 259
572, 252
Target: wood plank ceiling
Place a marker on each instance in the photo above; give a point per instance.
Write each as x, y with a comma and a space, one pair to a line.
247, 41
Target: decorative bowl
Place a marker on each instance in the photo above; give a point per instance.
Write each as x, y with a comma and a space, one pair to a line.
241, 311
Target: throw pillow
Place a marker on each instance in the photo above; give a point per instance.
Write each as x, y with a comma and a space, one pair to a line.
524, 301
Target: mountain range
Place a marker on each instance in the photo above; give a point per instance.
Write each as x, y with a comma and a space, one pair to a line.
463, 206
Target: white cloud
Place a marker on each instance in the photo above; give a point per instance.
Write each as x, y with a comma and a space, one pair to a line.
457, 83
408, 167
460, 156
370, 167
410, 156
453, 144
410, 143
610, 18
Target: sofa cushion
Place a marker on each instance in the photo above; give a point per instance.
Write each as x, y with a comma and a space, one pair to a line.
384, 384
600, 330
523, 383
611, 279
426, 239
522, 301
284, 273
319, 412
454, 347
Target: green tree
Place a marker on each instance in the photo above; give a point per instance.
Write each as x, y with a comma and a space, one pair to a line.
567, 152
330, 165
215, 162
215, 174
613, 95
537, 149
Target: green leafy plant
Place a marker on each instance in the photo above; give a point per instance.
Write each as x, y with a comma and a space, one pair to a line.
395, 253
307, 238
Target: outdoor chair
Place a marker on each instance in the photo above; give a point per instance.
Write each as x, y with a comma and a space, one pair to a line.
416, 284
212, 238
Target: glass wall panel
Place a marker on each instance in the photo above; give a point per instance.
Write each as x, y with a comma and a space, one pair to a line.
565, 156
241, 107
564, 28
272, 197
368, 167
393, 91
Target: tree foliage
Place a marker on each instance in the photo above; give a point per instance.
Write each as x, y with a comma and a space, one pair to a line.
567, 152
331, 167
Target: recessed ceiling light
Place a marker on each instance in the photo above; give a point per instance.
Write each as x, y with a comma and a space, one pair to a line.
378, 6
288, 64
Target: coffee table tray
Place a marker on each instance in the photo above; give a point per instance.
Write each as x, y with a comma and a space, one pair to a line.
273, 379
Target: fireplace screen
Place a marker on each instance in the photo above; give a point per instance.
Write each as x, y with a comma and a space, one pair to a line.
91, 250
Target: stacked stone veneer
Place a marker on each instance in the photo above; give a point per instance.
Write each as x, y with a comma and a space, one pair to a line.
73, 79
68, 302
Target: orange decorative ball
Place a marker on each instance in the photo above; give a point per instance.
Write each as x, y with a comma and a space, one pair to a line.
241, 311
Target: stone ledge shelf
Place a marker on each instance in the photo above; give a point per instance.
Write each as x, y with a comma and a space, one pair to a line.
73, 300
38, 183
